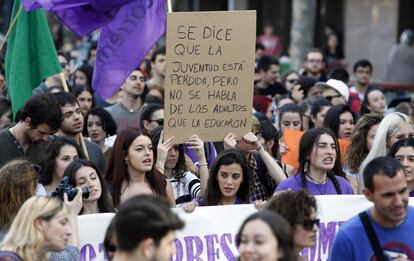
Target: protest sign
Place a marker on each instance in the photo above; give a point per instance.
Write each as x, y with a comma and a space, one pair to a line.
209, 232
92, 230
209, 74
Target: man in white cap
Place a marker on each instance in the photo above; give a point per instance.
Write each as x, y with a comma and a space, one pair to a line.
337, 92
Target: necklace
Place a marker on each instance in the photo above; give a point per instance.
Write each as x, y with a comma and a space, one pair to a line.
319, 182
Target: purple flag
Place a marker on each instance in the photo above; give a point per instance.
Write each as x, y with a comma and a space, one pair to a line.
125, 41
129, 29
53, 5
80, 16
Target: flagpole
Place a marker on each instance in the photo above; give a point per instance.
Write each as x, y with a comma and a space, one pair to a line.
10, 28
169, 6
80, 136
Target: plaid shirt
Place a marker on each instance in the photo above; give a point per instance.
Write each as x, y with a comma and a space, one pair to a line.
258, 190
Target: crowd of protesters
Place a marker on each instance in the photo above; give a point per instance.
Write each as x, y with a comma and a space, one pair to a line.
116, 149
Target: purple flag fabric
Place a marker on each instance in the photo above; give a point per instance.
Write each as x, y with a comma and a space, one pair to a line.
125, 41
129, 29
53, 5
80, 16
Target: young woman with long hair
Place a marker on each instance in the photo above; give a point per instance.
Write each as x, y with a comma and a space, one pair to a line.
83, 173
320, 170
42, 225
229, 180
361, 143
340, 120
393, 127
62, 151
130, 170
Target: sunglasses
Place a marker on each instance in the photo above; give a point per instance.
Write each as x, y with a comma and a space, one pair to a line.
63, 64
330, 98
159, 121
309, 223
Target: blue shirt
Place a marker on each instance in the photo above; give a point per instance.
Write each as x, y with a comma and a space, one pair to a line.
351, 241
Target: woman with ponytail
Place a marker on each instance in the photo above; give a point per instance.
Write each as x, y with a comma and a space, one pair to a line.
320, 171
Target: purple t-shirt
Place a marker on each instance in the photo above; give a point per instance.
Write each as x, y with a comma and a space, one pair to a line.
295, 183
200, 201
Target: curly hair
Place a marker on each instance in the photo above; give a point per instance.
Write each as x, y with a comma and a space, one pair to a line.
108, 123
332, 118
357, 150
294, 206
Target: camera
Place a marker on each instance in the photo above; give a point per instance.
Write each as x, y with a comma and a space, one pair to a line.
71, 191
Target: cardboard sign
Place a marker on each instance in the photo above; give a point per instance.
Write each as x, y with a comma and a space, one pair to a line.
209, 77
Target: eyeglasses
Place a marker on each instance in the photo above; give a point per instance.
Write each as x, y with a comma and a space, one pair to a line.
315, 61
309, 223
331, 97
159, 121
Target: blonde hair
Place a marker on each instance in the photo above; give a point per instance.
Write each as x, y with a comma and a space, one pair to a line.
23, 237
388, 127
18, 181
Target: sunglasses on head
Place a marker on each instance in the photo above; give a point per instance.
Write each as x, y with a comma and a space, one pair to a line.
159, 121
309, 223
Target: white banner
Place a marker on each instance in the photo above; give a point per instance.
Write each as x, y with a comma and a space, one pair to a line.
209, 232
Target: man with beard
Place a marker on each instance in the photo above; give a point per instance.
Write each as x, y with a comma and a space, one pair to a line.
39, 118
144, 228
72, 126
315, 65
127, 111
384, 231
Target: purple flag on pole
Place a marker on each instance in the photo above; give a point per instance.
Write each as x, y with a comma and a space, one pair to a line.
125, 41
80, 16
129, 29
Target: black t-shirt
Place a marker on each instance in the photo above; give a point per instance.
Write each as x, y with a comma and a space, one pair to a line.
271, 90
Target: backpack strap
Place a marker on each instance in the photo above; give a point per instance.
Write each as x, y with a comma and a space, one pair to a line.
372, 236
